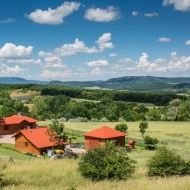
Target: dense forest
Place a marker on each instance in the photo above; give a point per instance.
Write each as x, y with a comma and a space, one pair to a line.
96, 105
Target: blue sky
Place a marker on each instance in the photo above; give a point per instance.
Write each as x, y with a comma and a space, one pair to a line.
94, 39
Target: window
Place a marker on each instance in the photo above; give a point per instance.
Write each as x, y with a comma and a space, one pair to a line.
6, 127
26, 144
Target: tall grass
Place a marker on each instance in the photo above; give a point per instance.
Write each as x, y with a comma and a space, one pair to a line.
63, 175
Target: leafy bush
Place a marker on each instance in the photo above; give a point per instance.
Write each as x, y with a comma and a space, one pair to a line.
167, 162
150, 143
121, 127
143, 126
106, 162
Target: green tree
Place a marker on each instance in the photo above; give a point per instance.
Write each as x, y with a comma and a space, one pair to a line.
106, 162
121, 127
150, 143
56, 133
167, 162
143, 126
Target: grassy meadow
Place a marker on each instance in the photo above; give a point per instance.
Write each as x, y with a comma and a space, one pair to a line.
46, 174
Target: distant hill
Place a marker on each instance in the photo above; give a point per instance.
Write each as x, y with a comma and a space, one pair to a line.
18, 80
135, 83
130, 83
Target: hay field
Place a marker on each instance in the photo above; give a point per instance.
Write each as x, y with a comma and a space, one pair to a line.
63, 175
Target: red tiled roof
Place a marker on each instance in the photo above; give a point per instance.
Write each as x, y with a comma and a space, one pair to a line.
104, 132
16, 119
37, 136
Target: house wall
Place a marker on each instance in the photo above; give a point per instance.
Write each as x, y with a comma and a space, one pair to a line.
92, 142
22, 144
16, 127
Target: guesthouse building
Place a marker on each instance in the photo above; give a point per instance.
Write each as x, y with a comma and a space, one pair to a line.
99, 136
15, 123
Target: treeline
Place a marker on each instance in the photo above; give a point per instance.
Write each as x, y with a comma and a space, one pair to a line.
154, 98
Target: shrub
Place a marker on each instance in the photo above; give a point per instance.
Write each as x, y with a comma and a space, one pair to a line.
150, 143
121, 127
167, 162
106, 162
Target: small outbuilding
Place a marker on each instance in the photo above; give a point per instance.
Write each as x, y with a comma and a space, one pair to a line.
15, 123
34, 141
99, 136
131, 144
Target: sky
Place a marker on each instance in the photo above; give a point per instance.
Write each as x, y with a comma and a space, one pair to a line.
87, 40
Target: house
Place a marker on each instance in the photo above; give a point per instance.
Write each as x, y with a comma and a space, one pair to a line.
34, 141
10, 125
99, 136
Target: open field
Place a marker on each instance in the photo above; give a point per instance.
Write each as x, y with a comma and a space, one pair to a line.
63, 174
28, 94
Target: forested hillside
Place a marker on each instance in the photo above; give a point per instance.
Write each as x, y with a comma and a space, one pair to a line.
95, 105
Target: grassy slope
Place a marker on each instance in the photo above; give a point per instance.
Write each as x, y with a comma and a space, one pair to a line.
63, 174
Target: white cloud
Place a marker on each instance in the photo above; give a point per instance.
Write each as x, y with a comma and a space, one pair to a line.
55, 62
102, 15
135, 13
72, 49
179, 63
187, 42
100, 62
10, 50
125, 60
151, 14
179, 5
11, 71
104, 41
24, 61
112, 54
54, 16
163, 39
46, 74
9, 20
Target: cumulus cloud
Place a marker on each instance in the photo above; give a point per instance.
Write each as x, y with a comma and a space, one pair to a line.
10, 50
101, 62
179, 5
187, 42
179, 63
102, 15
163, 39
104, 41
54, 62
54, 16
11, 71
125, 60
9, 20
46, 74
72, 49
151, 14
135, 13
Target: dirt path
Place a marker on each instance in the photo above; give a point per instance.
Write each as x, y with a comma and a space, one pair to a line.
7, 139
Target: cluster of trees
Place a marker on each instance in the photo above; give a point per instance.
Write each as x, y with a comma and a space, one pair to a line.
106, 110
9, 106
155, 98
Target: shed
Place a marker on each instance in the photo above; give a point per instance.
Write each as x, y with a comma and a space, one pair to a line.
10, 125
131, 144
99, 136
34, 141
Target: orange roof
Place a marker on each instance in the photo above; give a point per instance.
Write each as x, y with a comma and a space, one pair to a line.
37, 137
104, 132
16, 119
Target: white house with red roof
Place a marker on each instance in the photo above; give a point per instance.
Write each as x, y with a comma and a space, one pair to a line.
10, 125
